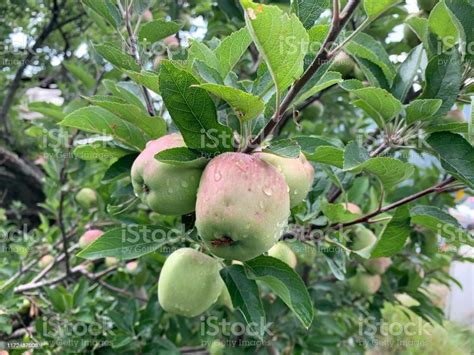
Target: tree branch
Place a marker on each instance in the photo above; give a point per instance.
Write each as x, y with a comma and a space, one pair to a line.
321, 58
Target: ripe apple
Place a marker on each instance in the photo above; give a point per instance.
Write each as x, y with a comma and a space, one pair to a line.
189, 282
171, 42
365, 283
283, 252
88, 237
131, 266
165, 188
45, 261
298, 174
378, 265
86, 198
147, 16
242, 206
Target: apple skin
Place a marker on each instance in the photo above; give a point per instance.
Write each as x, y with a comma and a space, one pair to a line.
343, 64
45, 261
352, 208
298, 174
283, 252
86, 198
89, 237
165, 188
365, 283
189, 282
110, 261
242, 206
378, 266
364, 238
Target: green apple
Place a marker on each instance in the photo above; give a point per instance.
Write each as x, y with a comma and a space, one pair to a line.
365, 283
343, 64
363, 239
313, 111
378, 266
224, 298
165, 188
217, 348
283, 252
110, 261
189, 282
298, 174
45, 261
242, 206
86, 198
89, 236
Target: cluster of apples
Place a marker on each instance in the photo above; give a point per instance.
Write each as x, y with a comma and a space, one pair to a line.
242, 204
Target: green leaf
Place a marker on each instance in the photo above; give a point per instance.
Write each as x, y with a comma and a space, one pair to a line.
317, 34
93, 152
443, 79
420, 110
80, 74
98, 120
116, 57
229, 51
156, 30
80, 292
406, 73
337, 213
154, 127
148, 79
374, 8
328, 155
464, 13
440, 126
390, 171
280, 38
247, 106
366, 47
457, 155
442, 24
443, 223
199, 51
193, 111
119, 169
47, 109
182, 156
287, 148
378, 103
245, 296
106, 9
394, 235
329, 79
308, 11
287, 285
128, 242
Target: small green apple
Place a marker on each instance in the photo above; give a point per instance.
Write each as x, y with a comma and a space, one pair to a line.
343, 64
242, 206
283, 252
378, 266
298, 174
365, 283
363, 239
189, 282
217, 348
89, 236
45, 261
86, 198
167, 189
111, 261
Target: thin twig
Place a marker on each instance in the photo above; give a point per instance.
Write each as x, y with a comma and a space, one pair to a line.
321, 58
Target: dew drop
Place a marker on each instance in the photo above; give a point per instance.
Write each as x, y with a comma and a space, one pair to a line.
217, 176
267, 190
